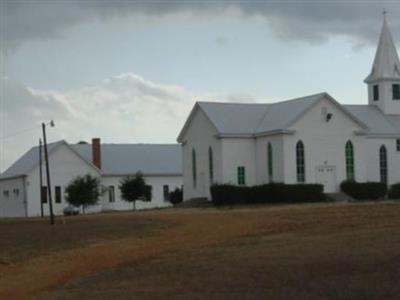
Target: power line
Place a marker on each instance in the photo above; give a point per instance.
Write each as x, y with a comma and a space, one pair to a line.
19, 132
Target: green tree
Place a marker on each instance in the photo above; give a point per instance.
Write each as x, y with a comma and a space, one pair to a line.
83, 190
135, 188
176, 196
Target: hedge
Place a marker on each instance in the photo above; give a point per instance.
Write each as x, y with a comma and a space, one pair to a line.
394, 191
227, 194
364, 190
175, 196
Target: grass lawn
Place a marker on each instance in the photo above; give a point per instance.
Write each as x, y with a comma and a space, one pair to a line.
21, 239
313, 251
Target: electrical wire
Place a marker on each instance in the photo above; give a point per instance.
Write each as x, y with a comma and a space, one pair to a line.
19, 132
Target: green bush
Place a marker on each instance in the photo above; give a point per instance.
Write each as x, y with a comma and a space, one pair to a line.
175, 196
364, 190
227, 194
394, 191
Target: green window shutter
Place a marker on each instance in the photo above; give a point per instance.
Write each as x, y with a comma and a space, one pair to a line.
300, 162
241, 173
211, 165
194, 168
270, 162
396, 91
383, 165
349, 161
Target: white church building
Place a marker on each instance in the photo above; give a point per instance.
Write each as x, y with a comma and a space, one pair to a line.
312, 139
160, 164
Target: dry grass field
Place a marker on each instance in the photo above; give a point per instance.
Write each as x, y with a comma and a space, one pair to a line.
313, 251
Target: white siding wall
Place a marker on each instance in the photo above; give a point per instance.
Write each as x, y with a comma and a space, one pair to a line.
65, 165
261, 156
200, 136
324, 144
157, 183
238, 152
14, 204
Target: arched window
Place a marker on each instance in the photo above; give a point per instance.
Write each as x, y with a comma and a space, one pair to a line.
270, 162
383, 166
349, 151
300, 162
211, 165
194, 167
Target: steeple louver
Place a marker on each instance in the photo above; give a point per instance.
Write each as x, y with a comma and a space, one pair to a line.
386, 63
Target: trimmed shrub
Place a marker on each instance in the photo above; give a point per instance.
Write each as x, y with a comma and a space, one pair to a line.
364, 190
394, 191
227, 194
175, 196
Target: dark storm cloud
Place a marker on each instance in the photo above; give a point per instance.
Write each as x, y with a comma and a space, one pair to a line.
311, 21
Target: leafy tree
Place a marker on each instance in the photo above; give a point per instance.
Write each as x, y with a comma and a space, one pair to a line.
83, 190
176, 196
135, 188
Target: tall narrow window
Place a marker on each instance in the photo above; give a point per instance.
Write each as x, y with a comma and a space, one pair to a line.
57, 193
300, 162
383, 165
194, 167
398, 145
111, 194
270, 162
376, 92
166, 192
241, 172
349, 161
396, 91
44, 194
211, 165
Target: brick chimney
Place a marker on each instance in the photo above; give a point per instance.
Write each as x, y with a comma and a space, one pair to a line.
96, 152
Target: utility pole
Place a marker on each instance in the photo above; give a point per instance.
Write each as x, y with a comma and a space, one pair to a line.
46, 157
41, 178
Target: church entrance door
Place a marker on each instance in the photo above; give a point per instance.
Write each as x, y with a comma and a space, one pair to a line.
326, 175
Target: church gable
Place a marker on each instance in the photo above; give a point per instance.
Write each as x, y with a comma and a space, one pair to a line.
327, 112
198, 123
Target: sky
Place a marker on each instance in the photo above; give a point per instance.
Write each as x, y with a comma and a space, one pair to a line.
131, 71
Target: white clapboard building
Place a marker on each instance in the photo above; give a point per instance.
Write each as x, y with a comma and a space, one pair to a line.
312, 139
161, 165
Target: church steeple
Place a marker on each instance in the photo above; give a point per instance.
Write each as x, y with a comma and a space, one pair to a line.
386, 63
384, 79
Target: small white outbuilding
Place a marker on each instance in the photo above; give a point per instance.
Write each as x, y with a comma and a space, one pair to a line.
160, 164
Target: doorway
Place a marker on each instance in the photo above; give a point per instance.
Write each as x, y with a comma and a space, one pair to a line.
326, 175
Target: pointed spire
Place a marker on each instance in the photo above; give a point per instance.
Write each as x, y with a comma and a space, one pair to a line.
386, 63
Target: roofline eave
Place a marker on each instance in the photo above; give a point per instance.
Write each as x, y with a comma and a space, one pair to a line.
371, 79
144, 174
382, 135
254, 135
10, 177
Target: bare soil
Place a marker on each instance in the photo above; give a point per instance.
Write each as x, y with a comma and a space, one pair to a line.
316, 251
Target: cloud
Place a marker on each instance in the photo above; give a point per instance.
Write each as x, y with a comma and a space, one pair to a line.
122, 109
125, 108
304, 20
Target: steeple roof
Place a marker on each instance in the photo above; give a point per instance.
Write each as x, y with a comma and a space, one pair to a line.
386, 63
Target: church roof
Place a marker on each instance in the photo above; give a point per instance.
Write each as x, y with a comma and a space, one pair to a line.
251, 119
386, 63
117, 159
377, 122
126, 159
254, 119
